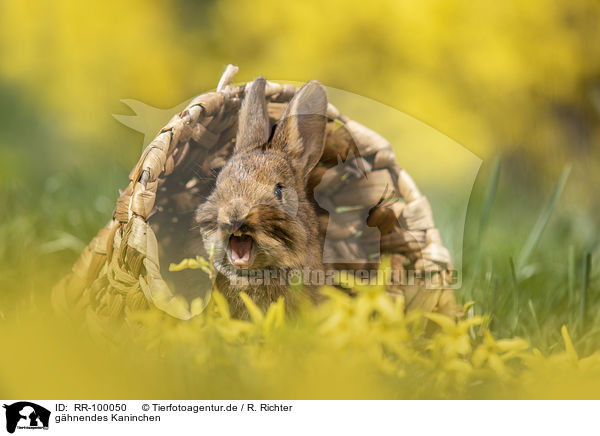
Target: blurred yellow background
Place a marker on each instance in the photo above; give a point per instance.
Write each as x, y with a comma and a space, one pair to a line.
488, 74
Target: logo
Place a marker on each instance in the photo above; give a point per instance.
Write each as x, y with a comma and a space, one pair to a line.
26, 415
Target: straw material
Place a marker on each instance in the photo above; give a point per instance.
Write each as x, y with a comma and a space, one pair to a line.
120, 269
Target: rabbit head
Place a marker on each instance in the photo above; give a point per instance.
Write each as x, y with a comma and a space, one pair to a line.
258, 216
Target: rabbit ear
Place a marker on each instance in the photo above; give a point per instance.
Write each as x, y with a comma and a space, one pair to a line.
253, 121
301, 130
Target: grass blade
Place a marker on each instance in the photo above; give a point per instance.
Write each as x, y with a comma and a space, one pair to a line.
571, 278
536, 322
515, 321
585, 282
540, 225
490, 194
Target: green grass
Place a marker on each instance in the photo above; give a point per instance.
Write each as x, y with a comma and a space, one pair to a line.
528, 263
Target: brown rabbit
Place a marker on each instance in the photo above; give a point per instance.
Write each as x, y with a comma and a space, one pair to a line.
258, 219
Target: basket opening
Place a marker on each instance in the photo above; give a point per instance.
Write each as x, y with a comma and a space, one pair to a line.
180, 193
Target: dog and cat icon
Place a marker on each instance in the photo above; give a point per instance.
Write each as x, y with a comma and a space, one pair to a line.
26, 415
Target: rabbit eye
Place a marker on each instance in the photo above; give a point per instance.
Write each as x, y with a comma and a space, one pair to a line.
278, 191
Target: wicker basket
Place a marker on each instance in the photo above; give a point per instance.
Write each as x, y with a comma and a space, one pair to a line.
120, 269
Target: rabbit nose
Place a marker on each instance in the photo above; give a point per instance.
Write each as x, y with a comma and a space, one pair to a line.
232, 226
233, 217
235, 225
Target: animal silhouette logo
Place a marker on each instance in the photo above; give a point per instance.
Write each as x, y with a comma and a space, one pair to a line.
147, 119
26, 415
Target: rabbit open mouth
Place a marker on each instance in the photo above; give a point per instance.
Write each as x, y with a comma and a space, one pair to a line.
241, 250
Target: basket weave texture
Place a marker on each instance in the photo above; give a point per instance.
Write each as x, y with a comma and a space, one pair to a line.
120, 269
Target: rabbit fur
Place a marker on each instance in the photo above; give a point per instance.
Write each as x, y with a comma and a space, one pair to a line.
258, 219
